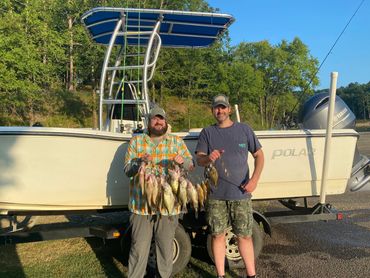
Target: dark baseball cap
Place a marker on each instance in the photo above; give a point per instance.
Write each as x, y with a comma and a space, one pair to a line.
157, 111
220, 100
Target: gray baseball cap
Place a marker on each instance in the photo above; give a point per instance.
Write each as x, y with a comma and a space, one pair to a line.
157, 111
220, 100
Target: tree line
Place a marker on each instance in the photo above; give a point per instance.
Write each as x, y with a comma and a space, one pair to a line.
47, 56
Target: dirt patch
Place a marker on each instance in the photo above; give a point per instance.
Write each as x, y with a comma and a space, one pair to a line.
363, 124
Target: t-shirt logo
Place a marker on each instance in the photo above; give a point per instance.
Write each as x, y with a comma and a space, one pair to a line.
242, 145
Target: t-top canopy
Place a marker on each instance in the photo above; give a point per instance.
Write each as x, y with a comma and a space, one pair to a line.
178, 28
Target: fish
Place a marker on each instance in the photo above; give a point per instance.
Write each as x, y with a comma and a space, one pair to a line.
212, 174
200, 196
174, 178
149, 187
168, 198
154, 199
162, 195
205, 189
182, 194
148, 171
209, 185
142, 177
193, 197
161, 181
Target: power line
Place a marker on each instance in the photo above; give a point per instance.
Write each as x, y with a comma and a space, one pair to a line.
329, 52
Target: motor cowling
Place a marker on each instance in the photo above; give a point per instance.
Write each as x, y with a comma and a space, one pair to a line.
314, 113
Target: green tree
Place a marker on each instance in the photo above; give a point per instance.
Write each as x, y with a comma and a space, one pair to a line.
285, 68
28, 49
357, 97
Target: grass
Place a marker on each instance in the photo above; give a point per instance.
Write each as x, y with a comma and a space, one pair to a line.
80, 257
62, 258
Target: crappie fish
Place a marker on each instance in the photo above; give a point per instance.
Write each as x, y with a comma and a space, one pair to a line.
149, 188
148, 171
161, 181
212, 174
168, 198
155, 193
142, 177
174, 177
200, 196
193, 197
182, 194
205, 189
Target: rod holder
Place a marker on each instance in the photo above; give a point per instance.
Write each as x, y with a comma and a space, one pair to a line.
329, 129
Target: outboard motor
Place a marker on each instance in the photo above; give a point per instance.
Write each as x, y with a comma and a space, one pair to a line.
314, 116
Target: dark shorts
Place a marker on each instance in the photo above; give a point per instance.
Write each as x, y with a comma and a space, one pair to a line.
223, 214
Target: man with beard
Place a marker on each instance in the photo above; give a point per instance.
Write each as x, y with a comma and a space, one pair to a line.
226, 145
157, 150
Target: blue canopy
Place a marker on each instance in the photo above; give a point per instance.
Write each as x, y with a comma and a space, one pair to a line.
178, 28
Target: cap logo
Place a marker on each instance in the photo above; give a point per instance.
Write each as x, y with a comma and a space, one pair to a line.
220, 99
157, 111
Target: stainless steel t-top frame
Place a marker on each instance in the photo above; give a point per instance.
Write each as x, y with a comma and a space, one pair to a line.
148, 67
148, 28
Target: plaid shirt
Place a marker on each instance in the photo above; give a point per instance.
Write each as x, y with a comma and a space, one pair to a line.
162, 155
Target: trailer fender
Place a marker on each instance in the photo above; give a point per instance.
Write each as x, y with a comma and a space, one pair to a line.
261, 219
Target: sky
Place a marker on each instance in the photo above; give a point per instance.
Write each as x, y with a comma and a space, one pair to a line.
318, 23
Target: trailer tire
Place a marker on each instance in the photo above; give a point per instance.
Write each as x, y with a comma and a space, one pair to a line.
233, 259
181, 249
125, 243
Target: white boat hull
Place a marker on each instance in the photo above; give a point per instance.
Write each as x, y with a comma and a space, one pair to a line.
51, 169
61, 169
294, 163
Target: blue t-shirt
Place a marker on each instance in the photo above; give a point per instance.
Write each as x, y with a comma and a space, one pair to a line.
232, 167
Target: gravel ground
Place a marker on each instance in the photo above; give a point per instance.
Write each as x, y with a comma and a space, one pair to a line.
322, 249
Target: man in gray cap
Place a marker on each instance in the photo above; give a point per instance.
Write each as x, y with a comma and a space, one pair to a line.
225, 146
160, 127
149, 156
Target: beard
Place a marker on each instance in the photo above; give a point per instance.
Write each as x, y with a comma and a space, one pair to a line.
157, 132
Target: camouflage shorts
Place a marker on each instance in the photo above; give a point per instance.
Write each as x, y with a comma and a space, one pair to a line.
238, 214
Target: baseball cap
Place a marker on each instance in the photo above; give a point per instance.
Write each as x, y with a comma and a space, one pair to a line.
157, 111
220, 100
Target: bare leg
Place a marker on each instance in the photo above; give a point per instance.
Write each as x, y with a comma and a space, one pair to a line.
246, 250
218, 249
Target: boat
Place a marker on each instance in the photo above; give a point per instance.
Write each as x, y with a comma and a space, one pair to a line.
47, 170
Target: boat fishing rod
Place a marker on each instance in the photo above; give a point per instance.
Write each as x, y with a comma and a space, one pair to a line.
327, 55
